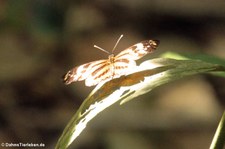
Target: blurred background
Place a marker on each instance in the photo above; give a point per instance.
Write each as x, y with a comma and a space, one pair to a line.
41, 40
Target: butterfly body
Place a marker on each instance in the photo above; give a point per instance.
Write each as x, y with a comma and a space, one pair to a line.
113, 67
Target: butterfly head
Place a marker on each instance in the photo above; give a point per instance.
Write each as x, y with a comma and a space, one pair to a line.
68, 77
111, 58
153, 44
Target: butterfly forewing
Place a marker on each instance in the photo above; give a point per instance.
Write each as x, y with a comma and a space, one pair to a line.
138, 50
114, 67
81, 72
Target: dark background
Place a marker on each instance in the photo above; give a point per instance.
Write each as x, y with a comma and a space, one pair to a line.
40, 40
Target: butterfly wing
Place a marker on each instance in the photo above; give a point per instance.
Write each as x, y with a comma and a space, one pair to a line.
123, 66
125, 61
109, 71
138, 50
81, 72
100, 73
102, 70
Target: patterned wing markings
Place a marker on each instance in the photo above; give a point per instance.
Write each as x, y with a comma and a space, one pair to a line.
139, 50
109, 71
113, 67
81, 72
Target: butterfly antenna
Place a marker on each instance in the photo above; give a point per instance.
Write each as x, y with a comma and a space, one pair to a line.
97, 47
121, 36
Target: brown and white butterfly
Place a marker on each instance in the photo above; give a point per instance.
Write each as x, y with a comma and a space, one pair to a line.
113, 67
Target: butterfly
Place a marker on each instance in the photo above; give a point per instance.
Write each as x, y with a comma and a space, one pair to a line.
115, 66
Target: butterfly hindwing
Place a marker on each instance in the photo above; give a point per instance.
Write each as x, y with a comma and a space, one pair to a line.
123, 66
108, 71
99, 74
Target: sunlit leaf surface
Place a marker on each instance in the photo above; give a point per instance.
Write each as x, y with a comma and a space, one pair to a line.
147, 76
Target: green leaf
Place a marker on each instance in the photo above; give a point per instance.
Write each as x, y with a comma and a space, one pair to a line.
219, 137
149, 75
200, 56
194, 56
